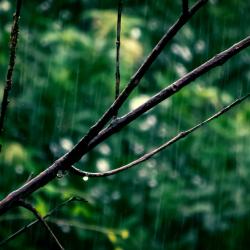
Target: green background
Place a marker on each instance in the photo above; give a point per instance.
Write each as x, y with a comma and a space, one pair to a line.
195, 194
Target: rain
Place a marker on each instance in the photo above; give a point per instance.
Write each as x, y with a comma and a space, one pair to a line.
167, 167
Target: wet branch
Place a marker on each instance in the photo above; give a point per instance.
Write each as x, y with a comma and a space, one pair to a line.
63, 163
67, 160
98, 132
12, 60
29, 207
50, 213
78, 151
147, 156
169, 91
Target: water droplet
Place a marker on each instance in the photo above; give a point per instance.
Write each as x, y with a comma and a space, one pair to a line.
85, 178
61, 173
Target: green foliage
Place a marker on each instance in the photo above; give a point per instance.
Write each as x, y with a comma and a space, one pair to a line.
194, 195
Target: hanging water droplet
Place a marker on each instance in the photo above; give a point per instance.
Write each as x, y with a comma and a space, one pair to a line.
85, 178
61, 173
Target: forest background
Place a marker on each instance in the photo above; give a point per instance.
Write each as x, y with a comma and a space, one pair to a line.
195, 194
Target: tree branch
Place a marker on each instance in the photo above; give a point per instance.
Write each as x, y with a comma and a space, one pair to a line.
118, 43
40, 218
76, 153
67, 160
51, 212
147, 156
216, 61
12, 59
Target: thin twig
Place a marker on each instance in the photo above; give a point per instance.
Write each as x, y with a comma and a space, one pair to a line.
147, 156
118, 43
12, 59
78, 224
51, 212
40, 218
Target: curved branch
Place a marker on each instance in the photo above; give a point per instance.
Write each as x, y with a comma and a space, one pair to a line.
67, 160
147, 156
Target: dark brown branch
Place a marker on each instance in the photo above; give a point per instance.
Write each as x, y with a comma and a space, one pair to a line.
77, 152
12, 59
37, 182
170, 90
63, 163
51, 212
67, 160
40, 218
147, 156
